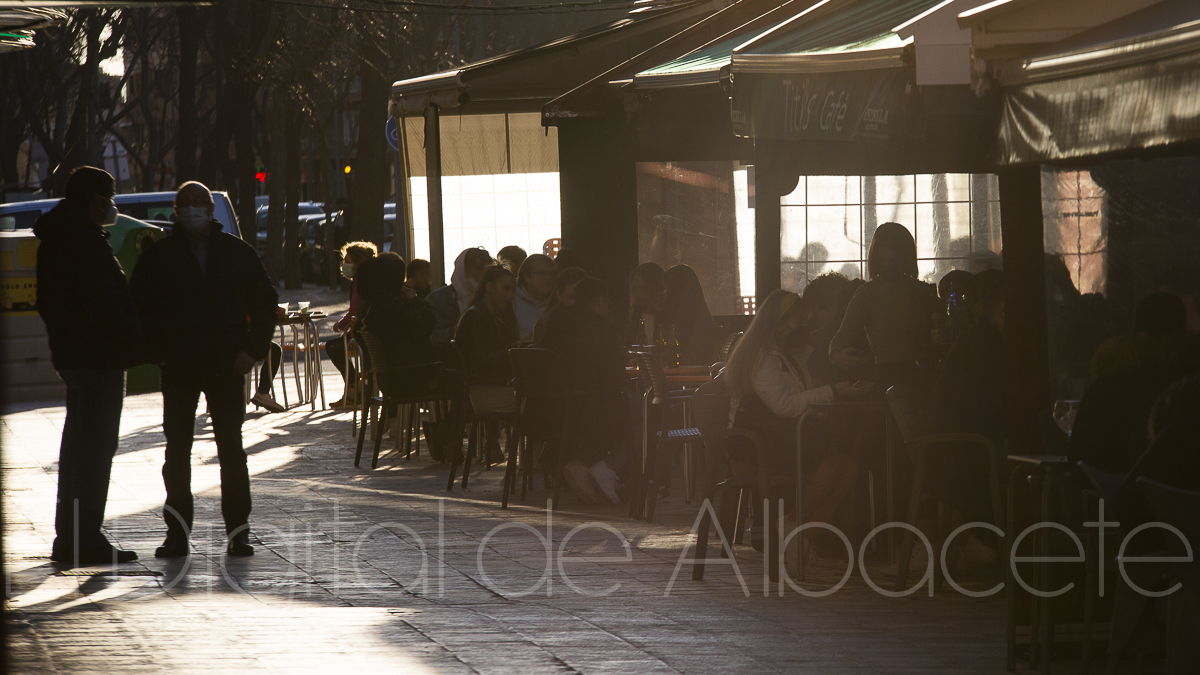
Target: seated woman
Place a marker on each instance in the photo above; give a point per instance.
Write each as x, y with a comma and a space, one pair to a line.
353, 254
394, 313
685, 310
564, 296
770, 388
486, 331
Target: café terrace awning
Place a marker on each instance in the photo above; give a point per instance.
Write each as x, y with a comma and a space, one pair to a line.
1128, 86
837, 88
17, 24
525, 80
602, 95
709, 63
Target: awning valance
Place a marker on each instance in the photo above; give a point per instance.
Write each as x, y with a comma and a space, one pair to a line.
1128, 86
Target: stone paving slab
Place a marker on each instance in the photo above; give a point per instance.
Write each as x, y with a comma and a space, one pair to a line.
380, 571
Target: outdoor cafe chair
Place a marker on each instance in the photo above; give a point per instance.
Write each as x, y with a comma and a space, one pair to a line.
1180, 509
464, 415
657, 444
711, 408
398, 385
912, 417
541, 383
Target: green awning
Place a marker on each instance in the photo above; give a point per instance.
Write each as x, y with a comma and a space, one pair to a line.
701, 65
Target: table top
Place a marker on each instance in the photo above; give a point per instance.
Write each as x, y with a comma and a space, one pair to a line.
680, 379
1041, 460
297, 317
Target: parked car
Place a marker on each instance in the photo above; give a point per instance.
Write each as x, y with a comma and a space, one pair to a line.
22, 215
312, 247
306, 209
160, 206
156, 207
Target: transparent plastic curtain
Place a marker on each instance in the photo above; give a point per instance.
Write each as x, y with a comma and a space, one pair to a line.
1114, 232
827, 222
689, 213
499, 182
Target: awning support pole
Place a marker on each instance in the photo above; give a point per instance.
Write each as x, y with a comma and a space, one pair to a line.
1025, 327
433, 191
767, 254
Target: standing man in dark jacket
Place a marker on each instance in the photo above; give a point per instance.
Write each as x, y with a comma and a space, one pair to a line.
94, 335
209, 312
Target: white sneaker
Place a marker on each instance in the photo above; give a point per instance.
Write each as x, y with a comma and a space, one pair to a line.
606, 479
974, 554
917, 562
580, 481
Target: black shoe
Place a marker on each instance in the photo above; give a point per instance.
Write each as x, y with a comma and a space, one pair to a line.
106, 556
173, 547
239, 545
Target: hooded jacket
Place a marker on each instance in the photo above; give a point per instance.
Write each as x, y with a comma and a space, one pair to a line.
197, 321
82, 296
529, 309
450, 301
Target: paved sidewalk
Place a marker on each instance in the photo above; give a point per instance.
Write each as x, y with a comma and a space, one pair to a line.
383, 571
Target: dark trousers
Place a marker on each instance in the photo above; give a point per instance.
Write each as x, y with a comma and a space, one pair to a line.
226, 407
89, 442
335, 348
267, 375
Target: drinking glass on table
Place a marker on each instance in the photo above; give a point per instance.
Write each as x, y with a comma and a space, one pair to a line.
303, 305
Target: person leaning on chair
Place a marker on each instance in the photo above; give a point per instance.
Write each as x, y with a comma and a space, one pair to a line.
94, 334
208, 307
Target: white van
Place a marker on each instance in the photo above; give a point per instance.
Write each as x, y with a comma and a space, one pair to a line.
149, 206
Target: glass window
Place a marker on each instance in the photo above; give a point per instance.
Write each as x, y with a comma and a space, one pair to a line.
827, 223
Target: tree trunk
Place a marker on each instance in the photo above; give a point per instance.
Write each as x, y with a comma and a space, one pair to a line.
185, 143
243, 138
371, 170
292, 274
276, 186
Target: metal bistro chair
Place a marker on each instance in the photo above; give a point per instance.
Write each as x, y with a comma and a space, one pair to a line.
465, 415
398, 385
540, 380
909, 412
656, 453
711, 408
1180, 509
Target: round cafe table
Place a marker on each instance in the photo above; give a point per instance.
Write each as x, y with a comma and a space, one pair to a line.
304, 344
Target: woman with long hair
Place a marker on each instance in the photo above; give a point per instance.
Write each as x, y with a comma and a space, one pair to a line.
892, 310
770, 389
685, 310
564, 296
486, 331
645, 297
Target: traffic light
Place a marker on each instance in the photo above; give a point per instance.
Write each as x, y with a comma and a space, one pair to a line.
348, 169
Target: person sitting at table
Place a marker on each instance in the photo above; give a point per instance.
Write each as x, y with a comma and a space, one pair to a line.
893, 310
589, 346
394, 313
770, 389
353, 254
266, 376
450, 301
971, 398
564, 296
645, 298
1129, 373
417, 277
685, 310
535, 287
486, 331
829, 295
512, 257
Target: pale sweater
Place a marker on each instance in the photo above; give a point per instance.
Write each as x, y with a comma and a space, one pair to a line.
783, 385
528, 310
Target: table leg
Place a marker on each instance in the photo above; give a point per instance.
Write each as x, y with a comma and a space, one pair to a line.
1044, 575
890, 485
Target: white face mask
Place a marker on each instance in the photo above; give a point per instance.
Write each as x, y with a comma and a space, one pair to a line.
194, 219
110, 216
348, 270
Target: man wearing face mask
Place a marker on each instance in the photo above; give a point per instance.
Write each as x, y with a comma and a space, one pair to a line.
94, 334
209, 312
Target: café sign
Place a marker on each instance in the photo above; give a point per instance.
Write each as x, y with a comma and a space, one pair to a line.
799, 106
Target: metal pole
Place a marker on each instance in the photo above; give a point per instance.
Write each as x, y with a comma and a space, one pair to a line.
433, 190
